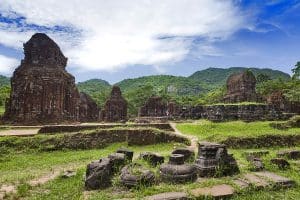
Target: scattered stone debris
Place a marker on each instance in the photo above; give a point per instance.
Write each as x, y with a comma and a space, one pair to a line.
169, 196
241, 183
217, 191
176, 171
68, 174
281, 163
256, 181
98, 174
279, 181
188, 154
291, 154
256, 163
135, 175
213, 160
152, 158
128, 153
117, 160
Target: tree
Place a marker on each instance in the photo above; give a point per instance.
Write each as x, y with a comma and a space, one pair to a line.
292, 90
268, 87
262, 78
296, 71
213, 97
4, 94
137, 97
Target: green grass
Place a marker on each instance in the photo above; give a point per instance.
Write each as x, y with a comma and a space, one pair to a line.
73, 188
281, 194
210, 131
21, 167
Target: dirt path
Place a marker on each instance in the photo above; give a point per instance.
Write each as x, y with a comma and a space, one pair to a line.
19, 132
12, 189
193, 139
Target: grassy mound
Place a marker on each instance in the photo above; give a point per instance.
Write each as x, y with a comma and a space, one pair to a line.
239, 134
294, 122
90, 139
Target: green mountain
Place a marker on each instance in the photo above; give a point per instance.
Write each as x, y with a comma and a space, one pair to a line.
4, 81
98, 89
93, 85
174, 85
217, 76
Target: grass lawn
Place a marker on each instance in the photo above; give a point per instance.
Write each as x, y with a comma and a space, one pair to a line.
21, 167
210, 131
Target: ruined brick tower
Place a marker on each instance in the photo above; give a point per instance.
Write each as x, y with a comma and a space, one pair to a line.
115, 108
42, 91
154, 107
241, 88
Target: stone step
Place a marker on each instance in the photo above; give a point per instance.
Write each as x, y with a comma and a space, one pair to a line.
277, 179
256, 180
169, 196
217, 191
241, 183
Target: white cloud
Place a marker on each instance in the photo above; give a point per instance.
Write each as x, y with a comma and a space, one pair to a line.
118, 33
7, 65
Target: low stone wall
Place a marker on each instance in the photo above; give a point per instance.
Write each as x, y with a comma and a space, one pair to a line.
251, 112
262, 141
92, 140
76, 128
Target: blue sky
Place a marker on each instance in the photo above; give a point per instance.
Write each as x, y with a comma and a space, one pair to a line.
114, 40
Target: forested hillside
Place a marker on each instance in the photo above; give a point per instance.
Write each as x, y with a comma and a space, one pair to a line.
218, 76
98, 89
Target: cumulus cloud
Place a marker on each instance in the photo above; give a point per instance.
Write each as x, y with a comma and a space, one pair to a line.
7, 64
114, 34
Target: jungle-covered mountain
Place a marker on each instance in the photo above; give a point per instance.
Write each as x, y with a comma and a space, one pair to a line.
218, 76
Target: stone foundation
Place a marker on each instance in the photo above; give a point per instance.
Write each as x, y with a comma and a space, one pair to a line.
75, 128
226, 112
93, 140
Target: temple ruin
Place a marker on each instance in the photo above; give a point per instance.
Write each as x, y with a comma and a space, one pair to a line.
278, 100
88, 109
115, 108
42, 91
154, 107
241, 88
